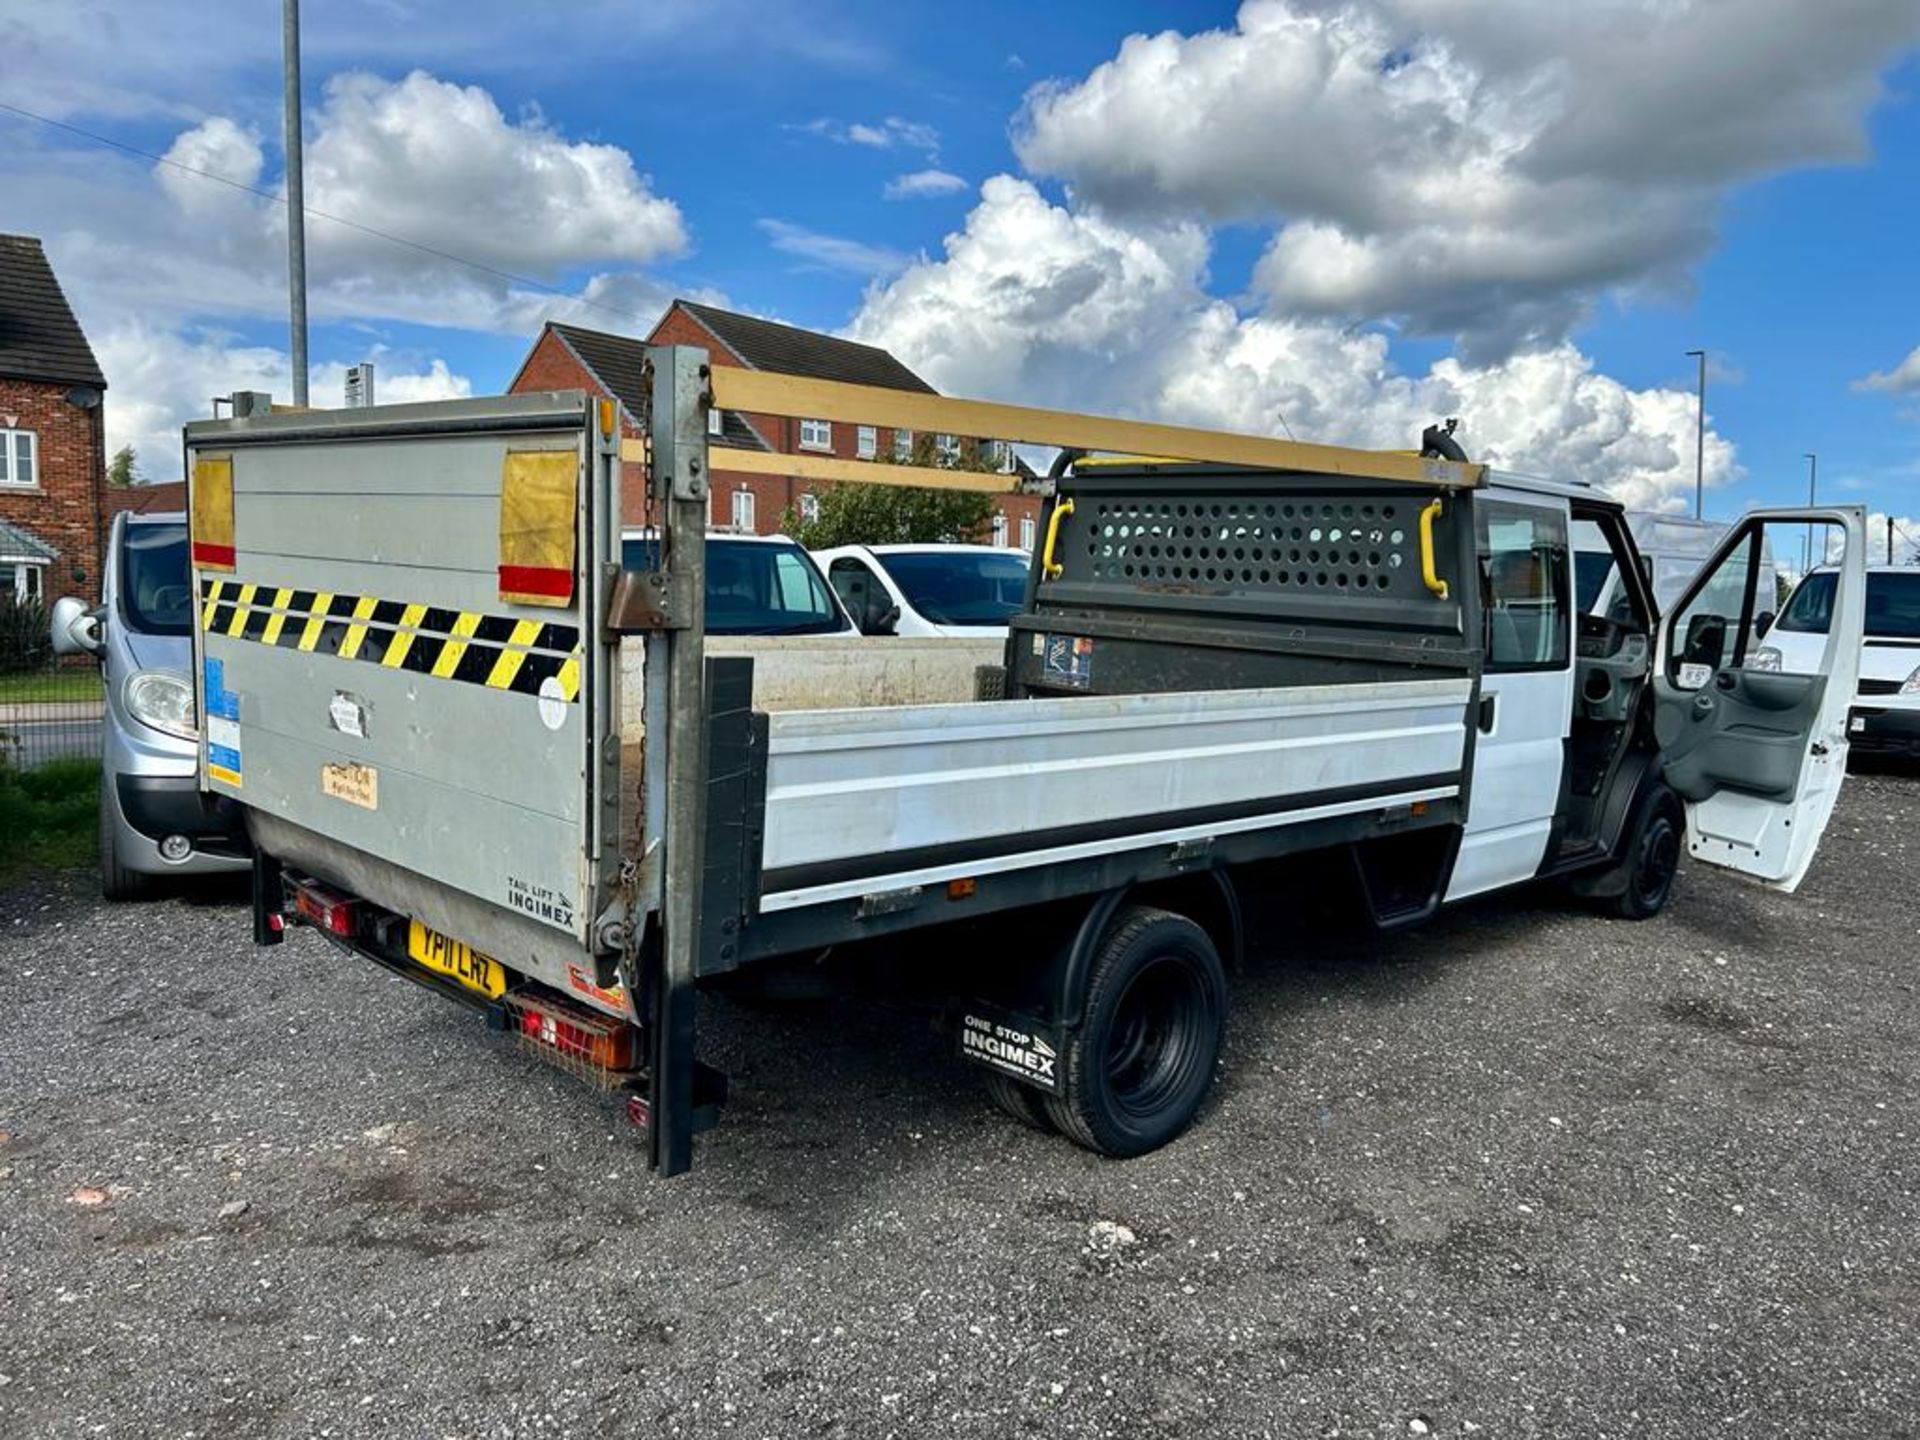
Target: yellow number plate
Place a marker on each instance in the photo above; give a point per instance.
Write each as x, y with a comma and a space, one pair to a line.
456, 959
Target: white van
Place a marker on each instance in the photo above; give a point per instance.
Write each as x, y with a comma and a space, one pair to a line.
1885, 718
1672, 550
934, 590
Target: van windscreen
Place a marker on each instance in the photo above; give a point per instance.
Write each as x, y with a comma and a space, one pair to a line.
156, 589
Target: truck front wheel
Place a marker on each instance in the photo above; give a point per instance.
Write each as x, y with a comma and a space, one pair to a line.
1143, 1058
1652, 858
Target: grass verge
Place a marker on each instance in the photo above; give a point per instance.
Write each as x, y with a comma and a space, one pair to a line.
50, 816
51, 685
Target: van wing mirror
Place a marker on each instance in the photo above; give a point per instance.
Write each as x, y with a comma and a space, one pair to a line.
76, 629
1706, 642
1762, 623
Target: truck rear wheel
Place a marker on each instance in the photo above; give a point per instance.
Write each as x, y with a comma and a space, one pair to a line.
1022, 1102
1652, 856
1143, 1058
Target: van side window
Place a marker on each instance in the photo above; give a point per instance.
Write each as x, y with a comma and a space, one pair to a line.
1523, 586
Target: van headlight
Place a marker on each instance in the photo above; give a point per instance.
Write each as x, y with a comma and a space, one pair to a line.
163, 701
1765, 658
1911, 686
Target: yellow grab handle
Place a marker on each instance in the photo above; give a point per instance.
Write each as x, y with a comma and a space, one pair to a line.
1427, 517
1049, 570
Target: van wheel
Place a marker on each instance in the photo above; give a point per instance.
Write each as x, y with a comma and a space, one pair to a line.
1143, 1058
116, 881
1022, 1102
1652, 857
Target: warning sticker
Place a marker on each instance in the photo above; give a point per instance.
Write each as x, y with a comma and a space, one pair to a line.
1010, 1046
355, 784
1068, 661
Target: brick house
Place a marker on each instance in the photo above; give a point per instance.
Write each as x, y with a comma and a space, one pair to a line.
567, 357
53, 461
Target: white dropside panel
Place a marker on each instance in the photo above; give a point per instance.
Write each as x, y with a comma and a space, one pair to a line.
1010, 784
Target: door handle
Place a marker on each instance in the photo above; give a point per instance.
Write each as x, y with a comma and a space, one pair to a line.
1487, 705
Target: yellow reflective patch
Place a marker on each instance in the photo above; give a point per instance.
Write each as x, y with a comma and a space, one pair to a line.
537, 501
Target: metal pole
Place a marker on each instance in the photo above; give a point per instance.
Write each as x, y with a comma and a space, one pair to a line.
296, 203
678, 425
1813, 475
1700, 440
1889, 539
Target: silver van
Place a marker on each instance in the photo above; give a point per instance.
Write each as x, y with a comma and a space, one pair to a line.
154, 822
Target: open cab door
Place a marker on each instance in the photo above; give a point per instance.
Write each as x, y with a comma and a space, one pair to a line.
1758, 753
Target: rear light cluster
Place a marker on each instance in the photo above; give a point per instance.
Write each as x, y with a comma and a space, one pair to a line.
576, 1032
327, 909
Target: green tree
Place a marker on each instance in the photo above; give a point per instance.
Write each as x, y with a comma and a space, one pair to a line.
890, 515
124, 469
851, 514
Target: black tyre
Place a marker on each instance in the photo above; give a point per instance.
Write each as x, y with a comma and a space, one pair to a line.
1141, 1062
116, 881
1652, 856
1022, 1102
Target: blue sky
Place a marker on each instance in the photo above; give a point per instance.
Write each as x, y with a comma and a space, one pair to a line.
1347, 217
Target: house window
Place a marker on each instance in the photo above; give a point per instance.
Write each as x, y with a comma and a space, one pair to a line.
1000, 529
1026, 533
19, 457
869, 445
816, 435
716, 422
23, 579
903, 446
948, 446
809, 507
743, 511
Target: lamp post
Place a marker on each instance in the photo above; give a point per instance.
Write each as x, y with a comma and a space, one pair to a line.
1700, 440
296, 202
1813, 478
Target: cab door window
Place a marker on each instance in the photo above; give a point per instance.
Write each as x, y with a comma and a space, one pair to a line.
1523, 586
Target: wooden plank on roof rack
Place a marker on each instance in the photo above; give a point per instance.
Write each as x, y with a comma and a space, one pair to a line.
857, 472
762, 392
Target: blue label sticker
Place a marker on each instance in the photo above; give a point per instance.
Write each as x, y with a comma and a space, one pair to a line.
221, 701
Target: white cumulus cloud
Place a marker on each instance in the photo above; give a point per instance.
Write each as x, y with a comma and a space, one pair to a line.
1047, 305
1478, 168
1898, 380
160, 378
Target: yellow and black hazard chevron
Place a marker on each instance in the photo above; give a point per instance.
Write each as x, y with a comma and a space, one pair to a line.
496, 651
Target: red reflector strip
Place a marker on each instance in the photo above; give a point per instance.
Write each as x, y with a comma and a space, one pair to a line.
536, 580
206, 553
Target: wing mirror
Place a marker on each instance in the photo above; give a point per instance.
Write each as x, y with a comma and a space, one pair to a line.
76, 629
881, 618
1706, 640
1762, 623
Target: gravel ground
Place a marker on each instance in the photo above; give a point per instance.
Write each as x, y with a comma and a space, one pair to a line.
1525, 1172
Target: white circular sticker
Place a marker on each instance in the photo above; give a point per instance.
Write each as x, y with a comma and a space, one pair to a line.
553, 703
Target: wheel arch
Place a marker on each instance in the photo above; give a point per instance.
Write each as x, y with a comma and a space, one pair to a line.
1206, 897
